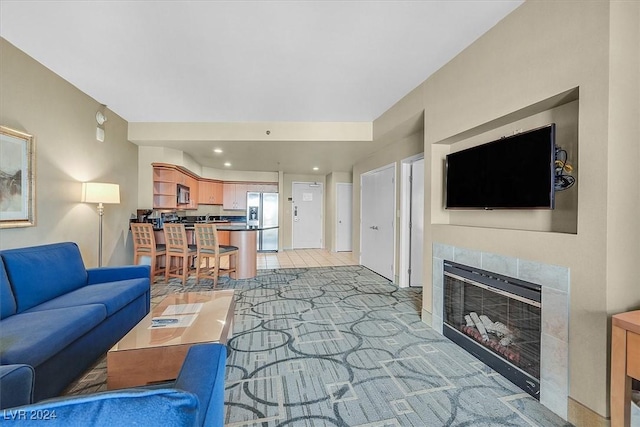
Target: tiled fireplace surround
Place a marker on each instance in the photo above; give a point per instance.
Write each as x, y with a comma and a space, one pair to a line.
554, 363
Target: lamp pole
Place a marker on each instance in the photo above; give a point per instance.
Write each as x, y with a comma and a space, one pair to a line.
101, 214
100, 193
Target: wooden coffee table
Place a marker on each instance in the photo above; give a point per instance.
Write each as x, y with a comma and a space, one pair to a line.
153, 351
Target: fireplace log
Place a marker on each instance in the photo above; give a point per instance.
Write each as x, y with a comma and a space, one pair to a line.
479, 326
511, 355
468, 319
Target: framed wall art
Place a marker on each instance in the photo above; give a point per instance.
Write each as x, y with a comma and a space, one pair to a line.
17, 179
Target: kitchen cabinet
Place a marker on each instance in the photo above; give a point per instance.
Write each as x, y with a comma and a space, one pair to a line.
202, 191
193, 185
164, 188
209, 192
262, 187
235, 196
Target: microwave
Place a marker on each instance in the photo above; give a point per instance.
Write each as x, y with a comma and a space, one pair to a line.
183, 194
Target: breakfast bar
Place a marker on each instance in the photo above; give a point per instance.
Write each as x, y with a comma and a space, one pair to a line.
244, 237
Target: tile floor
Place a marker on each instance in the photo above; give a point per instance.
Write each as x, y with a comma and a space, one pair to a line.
304, 258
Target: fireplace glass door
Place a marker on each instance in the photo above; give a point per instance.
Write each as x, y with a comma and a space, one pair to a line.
487, 310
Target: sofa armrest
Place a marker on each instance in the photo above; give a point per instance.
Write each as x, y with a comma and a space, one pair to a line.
202, 374
16, 385
196, 399
112, 274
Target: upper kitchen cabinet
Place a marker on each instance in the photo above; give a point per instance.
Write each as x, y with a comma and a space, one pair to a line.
166, 178
165, 188
210, 192
235, 196
263, 187
193, 185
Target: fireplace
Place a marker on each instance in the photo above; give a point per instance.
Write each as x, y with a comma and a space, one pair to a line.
496, 318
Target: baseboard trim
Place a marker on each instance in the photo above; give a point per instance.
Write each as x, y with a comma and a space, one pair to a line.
580, 415
426, 318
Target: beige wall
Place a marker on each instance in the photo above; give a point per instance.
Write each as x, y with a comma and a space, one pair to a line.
513, 72
623, 192
62, 119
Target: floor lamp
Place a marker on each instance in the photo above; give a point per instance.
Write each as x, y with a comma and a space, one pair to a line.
98, 192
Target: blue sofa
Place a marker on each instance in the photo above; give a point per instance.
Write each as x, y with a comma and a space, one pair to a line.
58, 317
195, 399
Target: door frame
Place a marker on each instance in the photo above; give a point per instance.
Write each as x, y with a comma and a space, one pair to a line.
405, 217
395, 224
322, 239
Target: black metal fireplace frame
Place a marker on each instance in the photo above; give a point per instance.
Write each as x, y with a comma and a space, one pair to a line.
530, 292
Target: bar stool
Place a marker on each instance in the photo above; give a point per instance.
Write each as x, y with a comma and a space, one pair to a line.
208, 247
177, 247
144, 245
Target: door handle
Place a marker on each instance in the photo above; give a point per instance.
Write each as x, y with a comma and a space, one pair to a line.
374, 227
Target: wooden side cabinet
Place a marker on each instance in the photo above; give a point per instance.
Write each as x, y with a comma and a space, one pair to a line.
625, 364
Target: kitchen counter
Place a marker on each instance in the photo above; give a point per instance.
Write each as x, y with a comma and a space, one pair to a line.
243, 227
226, 226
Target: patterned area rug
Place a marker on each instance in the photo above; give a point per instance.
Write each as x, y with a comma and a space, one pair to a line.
342, 346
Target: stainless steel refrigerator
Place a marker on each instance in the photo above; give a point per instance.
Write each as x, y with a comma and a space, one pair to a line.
262, 212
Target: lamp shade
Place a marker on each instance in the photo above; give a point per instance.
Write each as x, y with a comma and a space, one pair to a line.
99, 192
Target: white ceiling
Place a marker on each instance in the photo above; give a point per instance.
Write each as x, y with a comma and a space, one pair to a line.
248, 61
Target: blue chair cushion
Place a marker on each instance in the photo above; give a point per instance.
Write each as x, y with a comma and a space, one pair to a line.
7, 301
40, 273
129, 407
32, 338
114, 296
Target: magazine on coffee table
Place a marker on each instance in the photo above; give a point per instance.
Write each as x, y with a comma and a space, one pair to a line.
168, 322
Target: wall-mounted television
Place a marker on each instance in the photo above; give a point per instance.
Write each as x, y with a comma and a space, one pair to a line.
514, 172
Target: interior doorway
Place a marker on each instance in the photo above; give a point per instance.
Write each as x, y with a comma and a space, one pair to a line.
344, 209
307, 215
412, 222
377, 220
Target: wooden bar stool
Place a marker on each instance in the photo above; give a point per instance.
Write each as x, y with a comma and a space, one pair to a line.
177, 247
208, 247
144, 245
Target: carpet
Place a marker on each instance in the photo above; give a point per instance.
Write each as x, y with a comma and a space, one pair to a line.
342, 346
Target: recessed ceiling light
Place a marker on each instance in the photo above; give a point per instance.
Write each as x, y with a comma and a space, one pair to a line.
227, 164
315, 168
217, 150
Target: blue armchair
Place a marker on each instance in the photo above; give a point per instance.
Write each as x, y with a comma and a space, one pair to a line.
195, 399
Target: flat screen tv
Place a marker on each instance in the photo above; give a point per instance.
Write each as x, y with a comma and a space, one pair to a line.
514, 172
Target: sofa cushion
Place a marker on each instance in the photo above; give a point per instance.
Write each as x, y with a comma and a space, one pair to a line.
32, 338
41, 273
114, 296
16, 385
7, 301
129, 407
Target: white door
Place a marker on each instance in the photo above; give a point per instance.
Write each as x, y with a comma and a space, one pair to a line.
417, 223
344, 209
377, 233
307, 215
